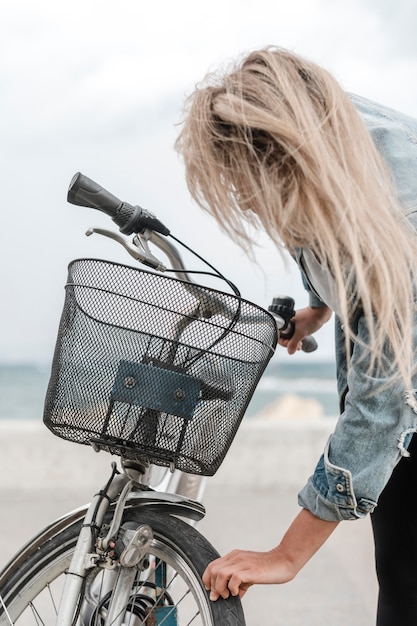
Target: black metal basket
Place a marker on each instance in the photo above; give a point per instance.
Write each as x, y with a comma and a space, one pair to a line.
151, 367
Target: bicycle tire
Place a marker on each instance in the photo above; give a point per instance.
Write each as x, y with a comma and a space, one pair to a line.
29, 590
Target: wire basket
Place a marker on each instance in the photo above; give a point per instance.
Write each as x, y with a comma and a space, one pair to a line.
153, 368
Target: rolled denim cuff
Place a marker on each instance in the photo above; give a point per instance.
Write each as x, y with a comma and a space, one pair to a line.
329, 493
312, 500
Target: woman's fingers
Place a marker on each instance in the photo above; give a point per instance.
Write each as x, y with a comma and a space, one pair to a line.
216, 578
239, 570
292, 346
224, 576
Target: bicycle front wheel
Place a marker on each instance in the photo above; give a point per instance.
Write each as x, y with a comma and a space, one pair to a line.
167, 587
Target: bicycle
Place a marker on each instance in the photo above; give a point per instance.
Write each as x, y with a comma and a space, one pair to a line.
158, 371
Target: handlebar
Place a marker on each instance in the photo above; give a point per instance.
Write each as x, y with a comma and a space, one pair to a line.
282, 308
134, 220
130, 219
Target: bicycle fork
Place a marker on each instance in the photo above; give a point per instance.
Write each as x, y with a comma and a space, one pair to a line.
120, 559
83, 557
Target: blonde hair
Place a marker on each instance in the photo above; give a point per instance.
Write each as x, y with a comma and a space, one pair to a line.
275, 141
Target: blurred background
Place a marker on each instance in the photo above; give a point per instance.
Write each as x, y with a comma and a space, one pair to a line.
98, 87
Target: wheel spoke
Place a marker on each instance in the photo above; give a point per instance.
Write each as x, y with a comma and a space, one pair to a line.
51, 595
36, 615
3, 606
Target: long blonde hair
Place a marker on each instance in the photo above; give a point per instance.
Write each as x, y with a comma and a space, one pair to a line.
275, 141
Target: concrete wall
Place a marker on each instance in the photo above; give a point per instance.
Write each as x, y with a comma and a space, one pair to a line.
266, 453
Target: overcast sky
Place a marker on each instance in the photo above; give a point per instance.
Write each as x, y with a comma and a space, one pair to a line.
98, 86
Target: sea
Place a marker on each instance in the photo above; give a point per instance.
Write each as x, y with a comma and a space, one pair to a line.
23, 387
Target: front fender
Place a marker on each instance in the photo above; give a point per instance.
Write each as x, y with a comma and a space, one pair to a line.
165, 502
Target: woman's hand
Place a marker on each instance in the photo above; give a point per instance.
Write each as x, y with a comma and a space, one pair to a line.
306, 322
240, 569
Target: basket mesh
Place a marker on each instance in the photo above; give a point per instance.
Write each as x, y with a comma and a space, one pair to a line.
139, 373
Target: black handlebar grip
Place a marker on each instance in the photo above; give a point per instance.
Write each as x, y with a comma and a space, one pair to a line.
131, 219
85, 192
283, 307
309, 344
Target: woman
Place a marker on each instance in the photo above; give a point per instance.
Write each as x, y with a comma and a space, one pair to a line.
277, 144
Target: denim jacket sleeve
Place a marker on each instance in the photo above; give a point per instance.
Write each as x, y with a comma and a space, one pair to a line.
378, 420
370, 437
313, 296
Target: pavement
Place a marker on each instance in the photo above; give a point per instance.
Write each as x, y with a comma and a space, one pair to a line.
42, 477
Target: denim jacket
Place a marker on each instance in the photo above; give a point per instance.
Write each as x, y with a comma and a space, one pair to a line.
374, 429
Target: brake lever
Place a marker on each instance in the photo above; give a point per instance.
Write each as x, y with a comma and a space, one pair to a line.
144, 255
